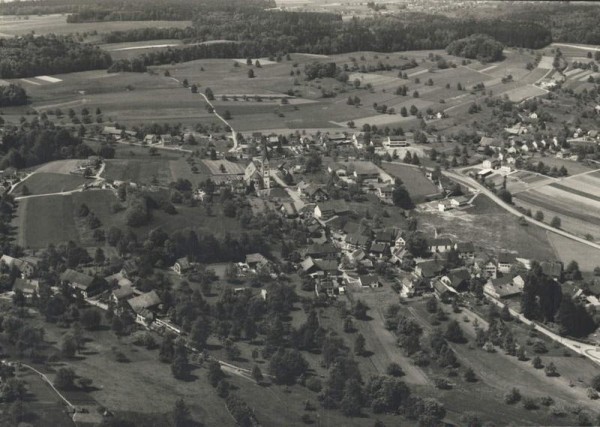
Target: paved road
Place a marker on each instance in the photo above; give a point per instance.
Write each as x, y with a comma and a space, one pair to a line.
298, 202
576, 46
471, 183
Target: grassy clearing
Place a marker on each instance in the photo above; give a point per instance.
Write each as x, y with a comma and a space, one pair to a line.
414, 180
490, 227
45, 183
568, 250
45, 220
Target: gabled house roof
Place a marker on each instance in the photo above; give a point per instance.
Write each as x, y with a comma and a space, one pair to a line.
82, 281
442, 241
430, 268
387, 235
379, 248
506, 258
368, 279
327, 265
552, 268
458, 276
256, 258
465, 247
144, 301
324, 249
184, 263
357, 239
123, 292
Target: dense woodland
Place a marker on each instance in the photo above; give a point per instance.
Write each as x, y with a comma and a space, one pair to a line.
478, 46
12, 95
33, 56
120, 10
34, 145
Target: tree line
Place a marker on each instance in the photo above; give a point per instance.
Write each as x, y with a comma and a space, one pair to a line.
30, 55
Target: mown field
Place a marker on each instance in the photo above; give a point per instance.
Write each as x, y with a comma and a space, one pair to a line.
414, 180
45, 183
490, 227
57, 24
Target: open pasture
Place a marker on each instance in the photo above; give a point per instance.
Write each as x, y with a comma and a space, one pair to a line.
45, 220
224, 167
524, 92
139, 171
57, 23
568, 250
414, 180
45, 183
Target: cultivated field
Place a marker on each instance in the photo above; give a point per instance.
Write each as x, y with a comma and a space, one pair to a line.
57, 24
414, 180
576, 200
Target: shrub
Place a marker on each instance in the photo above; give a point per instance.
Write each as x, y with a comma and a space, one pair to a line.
395, 370
512, 397
530, 404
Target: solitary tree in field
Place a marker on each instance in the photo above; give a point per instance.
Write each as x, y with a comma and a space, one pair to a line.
251, 73
556, 222
209, 94
181, 414
539, 216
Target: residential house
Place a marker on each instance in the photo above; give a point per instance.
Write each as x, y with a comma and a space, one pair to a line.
82, 282
485, 267
324, 251
356, 241
505, 262
553, 269
429, 269
27, 287
151, 139
168, 140
504, 287
458, 279
122, 294
439, 245
329, 209
465, 250
181, 266
27, 267
314, 193
369, 281
144, 306
414, 285
491, 164
386, 193
256, 261
460, 201
387, 236
379, 250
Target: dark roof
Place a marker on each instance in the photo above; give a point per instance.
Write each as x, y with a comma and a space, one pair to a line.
336, 206
458, 276
368, 279
430, 268
326, 265
506, 258
357, 239
464, 247
123, 292
551, 268
73, 277
442, 241
324, 249
379, 247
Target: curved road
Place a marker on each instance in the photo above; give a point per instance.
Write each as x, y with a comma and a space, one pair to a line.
470, 182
